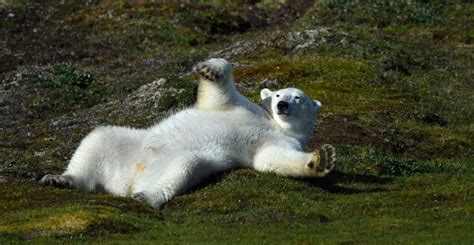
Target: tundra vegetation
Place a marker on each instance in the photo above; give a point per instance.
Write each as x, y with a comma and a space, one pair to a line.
395, 79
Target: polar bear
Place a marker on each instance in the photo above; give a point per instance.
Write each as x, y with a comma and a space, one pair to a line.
223, 130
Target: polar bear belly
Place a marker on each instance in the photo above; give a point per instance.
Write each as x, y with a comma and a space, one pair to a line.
236, 133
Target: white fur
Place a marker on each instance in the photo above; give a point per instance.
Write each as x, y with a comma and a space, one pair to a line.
222, 131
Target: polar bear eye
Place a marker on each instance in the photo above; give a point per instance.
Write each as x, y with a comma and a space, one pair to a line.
297, 97
278, 95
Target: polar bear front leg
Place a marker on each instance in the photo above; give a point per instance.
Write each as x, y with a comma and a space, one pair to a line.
214, 70
216, 88
294, 163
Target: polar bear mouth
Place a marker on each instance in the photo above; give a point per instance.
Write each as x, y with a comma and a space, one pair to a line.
283, 113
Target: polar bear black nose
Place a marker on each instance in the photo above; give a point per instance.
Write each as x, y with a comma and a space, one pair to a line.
282, 105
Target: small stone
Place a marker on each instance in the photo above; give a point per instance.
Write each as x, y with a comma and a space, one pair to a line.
270, 83
40, 153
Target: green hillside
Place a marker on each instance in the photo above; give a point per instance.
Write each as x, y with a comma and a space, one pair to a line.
395, 79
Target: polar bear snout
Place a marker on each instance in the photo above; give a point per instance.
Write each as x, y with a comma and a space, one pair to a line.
283, 107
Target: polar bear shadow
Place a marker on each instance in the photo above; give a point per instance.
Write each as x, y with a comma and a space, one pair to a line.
335, 182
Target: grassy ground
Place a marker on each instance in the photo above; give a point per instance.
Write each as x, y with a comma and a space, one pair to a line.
395, 79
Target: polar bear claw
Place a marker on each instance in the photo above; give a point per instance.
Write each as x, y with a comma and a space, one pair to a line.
323, 161
60, 181
139, 196
214, 70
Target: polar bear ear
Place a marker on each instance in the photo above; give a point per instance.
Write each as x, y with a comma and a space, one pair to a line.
317, 103
264, 93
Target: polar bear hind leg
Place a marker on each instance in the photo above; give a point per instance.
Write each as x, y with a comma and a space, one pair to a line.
94, 163
177, 175
60, 181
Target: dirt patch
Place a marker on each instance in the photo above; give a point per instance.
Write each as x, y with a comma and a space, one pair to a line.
342, 133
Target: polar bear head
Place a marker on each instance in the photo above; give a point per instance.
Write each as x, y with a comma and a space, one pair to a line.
292, 110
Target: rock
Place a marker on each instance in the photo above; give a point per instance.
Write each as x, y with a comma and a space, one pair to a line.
269, 83
39, 153
313, 38
140, 105
292, 42
241, 48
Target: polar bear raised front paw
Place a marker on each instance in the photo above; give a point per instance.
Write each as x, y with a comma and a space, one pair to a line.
323, 161
215, 70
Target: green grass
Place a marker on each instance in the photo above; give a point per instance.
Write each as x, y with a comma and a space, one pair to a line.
343, 207
58, 88
394, 77
184, 98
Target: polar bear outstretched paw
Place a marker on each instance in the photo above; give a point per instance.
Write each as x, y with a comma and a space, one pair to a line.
323, 161
60, 181
216, 70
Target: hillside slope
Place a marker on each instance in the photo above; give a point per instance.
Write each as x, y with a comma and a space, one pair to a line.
395, 79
